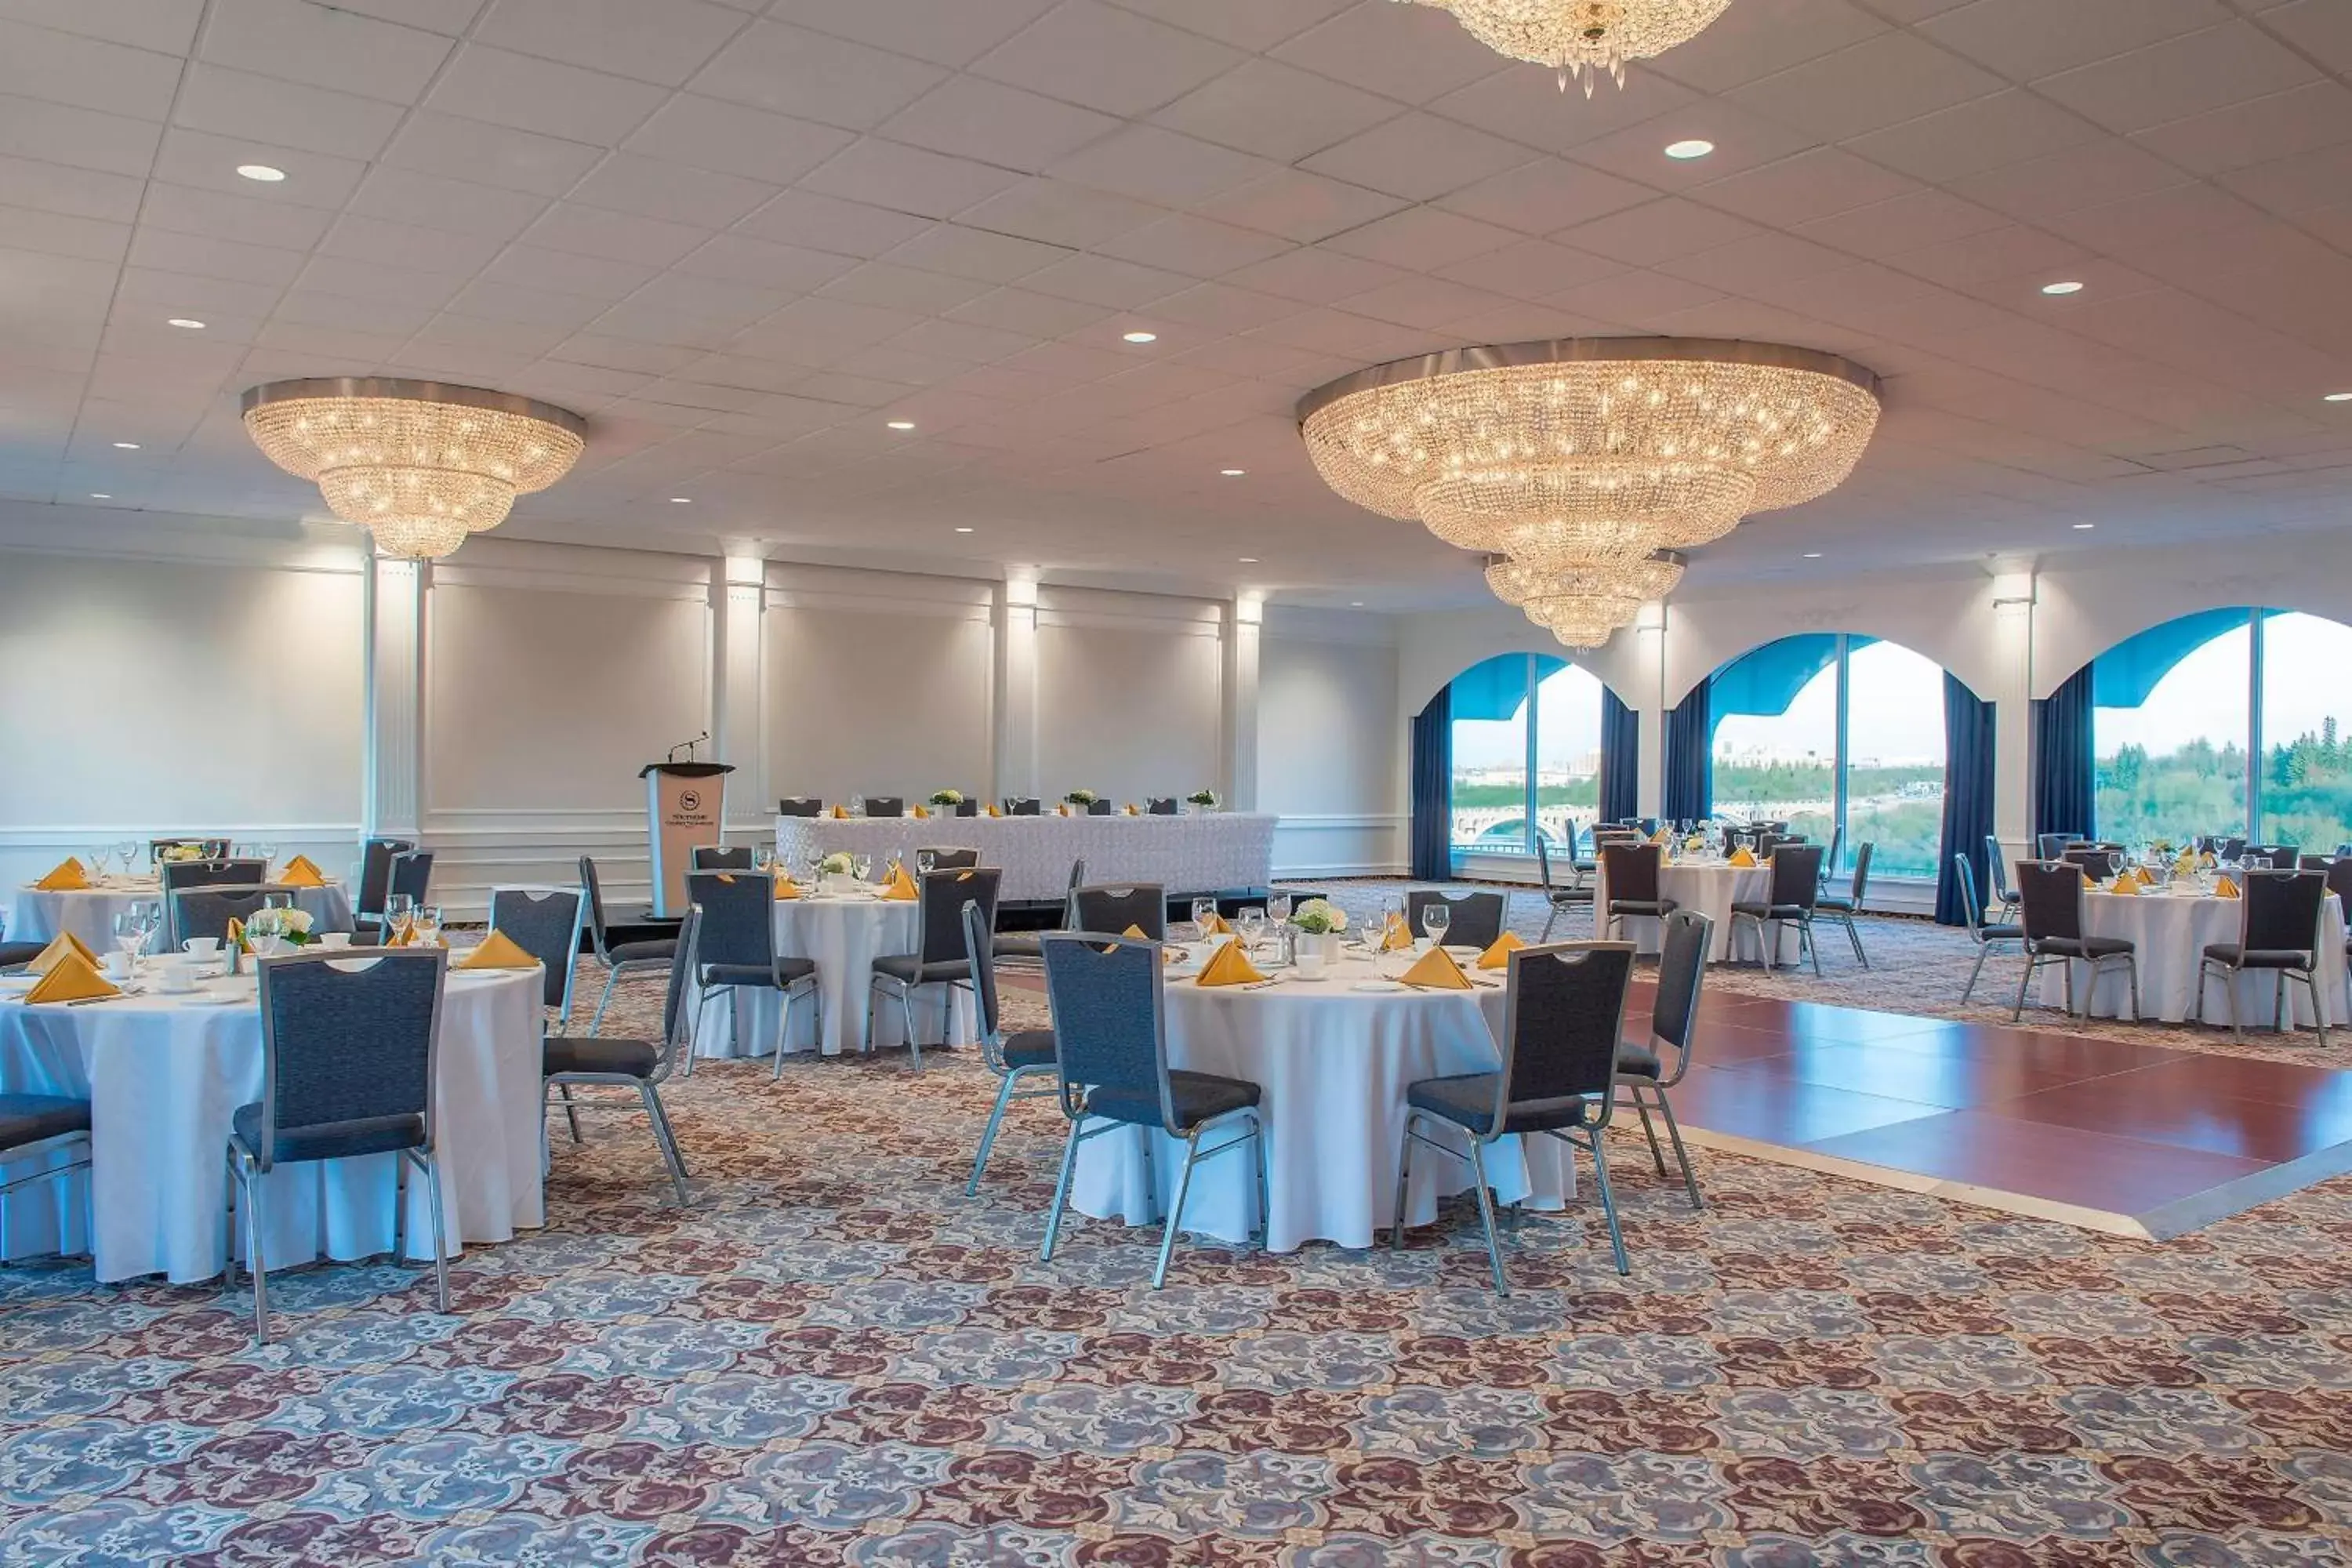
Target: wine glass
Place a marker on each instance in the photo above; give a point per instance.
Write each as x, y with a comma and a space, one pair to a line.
126, 850
97, 856
863, 866
264, 853
1277, 908
1252, 923
1436, 920
399, 916
130, 936
763, 859
426, 923
924, 859
1204, 910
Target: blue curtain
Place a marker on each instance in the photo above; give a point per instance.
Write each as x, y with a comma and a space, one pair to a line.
1690, 762
1968, 735
1433, 789
1620, 758
2066, 779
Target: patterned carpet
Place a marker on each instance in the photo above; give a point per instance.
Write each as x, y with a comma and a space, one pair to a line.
832, 1357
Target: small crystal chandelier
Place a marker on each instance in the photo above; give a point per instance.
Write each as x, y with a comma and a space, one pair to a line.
1583, 38
421, 465
1582, 606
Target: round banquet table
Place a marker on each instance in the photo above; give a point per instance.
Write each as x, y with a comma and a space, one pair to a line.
165, 1075
844, 934
2172, 932
1710, 887
88, 913
1333, 1064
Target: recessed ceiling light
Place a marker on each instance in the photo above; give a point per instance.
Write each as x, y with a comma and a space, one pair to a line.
1249, 560
2067, 287
185, 324
2081, 526
681, 501
262, 171
100, 495
126, 446
1812, 555
1232, 473
1693, 148
963, 531
1355, 603
2339, 397
902, 425
1142, 337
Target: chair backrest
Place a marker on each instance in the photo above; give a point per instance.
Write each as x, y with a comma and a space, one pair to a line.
885, 805
944, 859
1632, 870
204, 911
1109, 1018
1159, 806
1681, 965
944, 895
178, 874
592, 896
739, 916
1473, 919
2231, 848
1830, 860
1543, 859
1143, 905
412, 873
1997, 869
349, 1039
1562, 1020
800, 805
722, 857
2093, 861
2050, 898
2277, 857
1970, 910
981, 953
1862, 852
1099, 808
678, 1019
375, 872
2052, 846
2282, 910
1022, 805
1797, 874
545, 923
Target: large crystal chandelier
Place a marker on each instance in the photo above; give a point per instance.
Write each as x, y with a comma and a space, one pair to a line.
421, 465
1583, 38
1584, 463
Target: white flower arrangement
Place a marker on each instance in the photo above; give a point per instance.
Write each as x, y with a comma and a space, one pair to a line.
177, 852
1204, 798
1319, 917
1082, 797
946, 797
840, 863
293, 925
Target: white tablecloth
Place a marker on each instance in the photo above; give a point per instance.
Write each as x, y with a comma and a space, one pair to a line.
163, 1077
1711, 888
37, 916
1333, 1064
1201, 853
844, 936
2172, 933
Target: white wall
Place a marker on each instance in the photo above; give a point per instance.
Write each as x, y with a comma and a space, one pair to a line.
1329, 735
1129, 694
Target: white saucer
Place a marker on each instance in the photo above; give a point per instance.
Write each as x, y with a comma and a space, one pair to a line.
208, 998
1377, 986
1318, 978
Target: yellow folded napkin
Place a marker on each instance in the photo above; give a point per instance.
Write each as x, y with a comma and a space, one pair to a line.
1063, 809
2225, 888
1133, 810
1216, 925
1499, 955
2127, 885
1395, 936
1229, 968
2209, 858
923, 812
74, 979
68, 878
1436, 968
1137, 933
498, 950
1743, 859
901, 887
62, 946
991, 809
786, 887
841, 813
303, 872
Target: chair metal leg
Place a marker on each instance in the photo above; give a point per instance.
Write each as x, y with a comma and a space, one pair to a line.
1486, 1216
666, 1139
570, 1114
784, 1031
400, 1209
1609, 1204
1550, 921
2131, 970
254, 1260
1853, 935
2230, 995
1152, 1211
1812, 949
2032, 963
1265, 1187
1657, 1155
228, 1235
440, 1242
987, 1135
2070, 985
612, 978
1681, 1155
1403, 1187
906, 1022
1176, 1210
1061, 1195
2278, 1002
1984, 950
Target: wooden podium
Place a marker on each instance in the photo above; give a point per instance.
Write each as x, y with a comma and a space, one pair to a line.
685, 805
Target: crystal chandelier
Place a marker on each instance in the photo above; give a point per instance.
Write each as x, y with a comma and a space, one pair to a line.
421, 465
1583, 38
1580, 462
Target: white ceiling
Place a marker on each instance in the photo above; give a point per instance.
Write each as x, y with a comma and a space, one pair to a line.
741, 237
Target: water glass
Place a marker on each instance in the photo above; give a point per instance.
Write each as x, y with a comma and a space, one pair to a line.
924, 859
1436, 918
426, 925
1251, 922
125, 851
1277, 908
763, 859
130, 935
864, 865
97, 858
1204, 912
399, 915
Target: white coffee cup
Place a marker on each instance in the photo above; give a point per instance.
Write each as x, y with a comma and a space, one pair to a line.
117, 965
202, 946
1310, 961
334, 939
174, 979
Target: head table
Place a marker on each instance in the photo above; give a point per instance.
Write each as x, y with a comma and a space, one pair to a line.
2171, 931
1711, 887
844, 934
1203, 853
164, 1073
1333, 1062
37, 916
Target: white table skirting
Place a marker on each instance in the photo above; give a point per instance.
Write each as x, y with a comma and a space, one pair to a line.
844, 936
1199, 854
1333, 1065
1711, 890
2172, 932
163, 1077
37, 916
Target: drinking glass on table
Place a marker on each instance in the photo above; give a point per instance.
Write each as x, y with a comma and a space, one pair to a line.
863, 866
399, 917
264, 853
1277, 908
1436, 918
126, 850
426, 925
1252, 924
1204, 912
763, 859
96, 857
924, 859
131, 933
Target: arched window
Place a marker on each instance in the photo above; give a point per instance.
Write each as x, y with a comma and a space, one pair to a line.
1526, 750
1829, 730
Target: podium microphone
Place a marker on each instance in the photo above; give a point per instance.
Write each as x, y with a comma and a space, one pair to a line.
688, 746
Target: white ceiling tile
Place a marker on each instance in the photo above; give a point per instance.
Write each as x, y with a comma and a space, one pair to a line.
1419, 157
542, 96
2306, 182
1881, 81
537, 306
464, 149
328, 343
1545, 196
815, 331
1904, 224
1155, 165
663, 41
1531, 270
1423, 302
1276, 110
735, 140
2147, 222
902, 289
355, 279
2009, 251
1299, 207
1058, 213
1421, 239
1761, 258
613, 236
623, 353
224, 216
1103, 280
299, 41
1197, 247
1411, 53
641, 323
1106, 58
945, 35
1633, 298
528, 266
1253, 24
58, 234
236, 103
2257, 131
199, 159
2007, 128
2321, 27
964, 341
406, 244
1742, 141
978, 253
230, 284
1757, 38
1032, 315
502, 335
408, 195
1809, 185
2067, 182
654, 188
72, 193
2182, 76
167, 26
1314, 276
906, 179
997, 124
2027, 39
813, 76
1222, 308
742, 259
1525, 105
825, 222
86, 73
449, 17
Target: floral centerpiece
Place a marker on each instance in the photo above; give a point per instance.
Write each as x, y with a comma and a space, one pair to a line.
1206, 799
837, 872
1082, 797
177, 852
1319, 923
946, 797
289, 925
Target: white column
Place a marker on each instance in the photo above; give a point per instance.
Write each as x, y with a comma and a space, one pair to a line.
1649, 702
737, 713
1015, 758
2013, 695
394, 622
1244, 627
